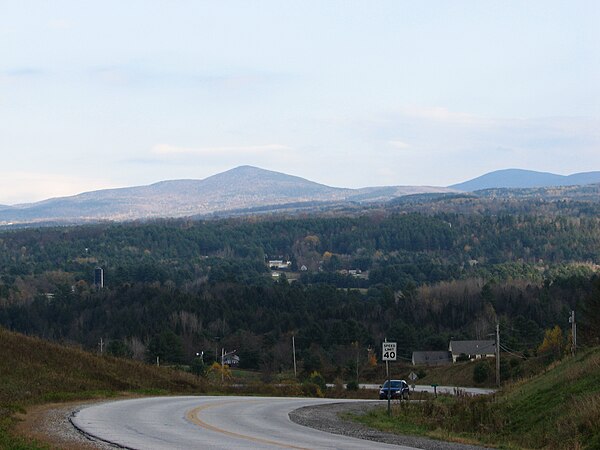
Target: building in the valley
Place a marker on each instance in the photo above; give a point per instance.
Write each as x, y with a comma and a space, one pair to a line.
472, 349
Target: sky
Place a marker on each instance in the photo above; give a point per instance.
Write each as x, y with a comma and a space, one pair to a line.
345, 93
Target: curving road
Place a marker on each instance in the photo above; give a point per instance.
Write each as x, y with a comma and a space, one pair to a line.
210, 423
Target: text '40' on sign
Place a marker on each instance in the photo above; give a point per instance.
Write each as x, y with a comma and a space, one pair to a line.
389, 351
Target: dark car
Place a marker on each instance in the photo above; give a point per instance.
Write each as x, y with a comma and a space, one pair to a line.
399, 389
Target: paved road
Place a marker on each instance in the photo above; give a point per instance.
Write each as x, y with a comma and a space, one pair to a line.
440, 389
211, 423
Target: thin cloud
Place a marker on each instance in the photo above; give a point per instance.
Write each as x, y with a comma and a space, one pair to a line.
117, 75
59, 24
401, 145
21, 73
172, 150
441, 114
25, 187
137, 73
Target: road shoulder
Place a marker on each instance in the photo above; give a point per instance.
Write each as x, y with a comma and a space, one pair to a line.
328, 418
49, 423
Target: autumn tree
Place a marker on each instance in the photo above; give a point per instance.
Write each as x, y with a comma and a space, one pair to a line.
553, 342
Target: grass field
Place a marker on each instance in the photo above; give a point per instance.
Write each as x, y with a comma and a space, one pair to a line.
34, 371
556, 409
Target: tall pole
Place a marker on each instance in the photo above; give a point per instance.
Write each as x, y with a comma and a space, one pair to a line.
573, 333
498, 354
294, 351
357, 355
222, 362
389, 386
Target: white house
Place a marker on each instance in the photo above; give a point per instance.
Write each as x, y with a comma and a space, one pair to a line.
472, 349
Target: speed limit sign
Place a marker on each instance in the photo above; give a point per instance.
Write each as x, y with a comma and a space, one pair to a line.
389, 351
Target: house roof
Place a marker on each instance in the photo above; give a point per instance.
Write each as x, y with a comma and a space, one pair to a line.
431, 357
231, 359
472, 347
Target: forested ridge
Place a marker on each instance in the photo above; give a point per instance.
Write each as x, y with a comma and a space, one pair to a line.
174, 287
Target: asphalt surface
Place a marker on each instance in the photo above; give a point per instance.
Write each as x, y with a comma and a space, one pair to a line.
429, 388
211, 423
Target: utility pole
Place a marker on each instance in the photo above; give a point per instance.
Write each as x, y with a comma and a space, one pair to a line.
294, 351
389, 386
357, 355
222, 365
498, 354
573, 333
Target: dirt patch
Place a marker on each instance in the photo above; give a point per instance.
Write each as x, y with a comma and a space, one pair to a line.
50, 424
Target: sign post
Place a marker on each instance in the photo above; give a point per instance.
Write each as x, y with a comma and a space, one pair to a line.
388, 354
413, 377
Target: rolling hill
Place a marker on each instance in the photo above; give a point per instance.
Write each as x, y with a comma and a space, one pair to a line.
518, 178
251, 190
244, 187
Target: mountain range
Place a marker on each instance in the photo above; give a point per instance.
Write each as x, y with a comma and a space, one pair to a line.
247, 189
519, 179
242, 188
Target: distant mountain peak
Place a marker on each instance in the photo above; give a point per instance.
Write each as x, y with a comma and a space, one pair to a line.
241, 188
521, 178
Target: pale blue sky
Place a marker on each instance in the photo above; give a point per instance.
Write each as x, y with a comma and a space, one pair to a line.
346, 93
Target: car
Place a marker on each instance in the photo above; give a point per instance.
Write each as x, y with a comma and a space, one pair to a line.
399, 390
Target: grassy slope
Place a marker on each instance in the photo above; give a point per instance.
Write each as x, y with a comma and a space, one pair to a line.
557, 409
458, 374
36, 371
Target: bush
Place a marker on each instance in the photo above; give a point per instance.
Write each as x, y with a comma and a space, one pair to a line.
118, 349
352, 385
316, 378
462, 358
311, 389
314, 385
198, 367
481, 372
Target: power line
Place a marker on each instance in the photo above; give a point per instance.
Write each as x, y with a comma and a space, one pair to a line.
514, 354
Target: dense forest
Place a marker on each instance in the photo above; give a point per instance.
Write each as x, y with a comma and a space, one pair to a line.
177, 287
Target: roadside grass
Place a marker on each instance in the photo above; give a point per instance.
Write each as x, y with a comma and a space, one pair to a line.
458, 374
245, 375
34, 371
557, 409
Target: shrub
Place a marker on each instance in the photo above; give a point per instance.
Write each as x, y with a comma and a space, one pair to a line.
352, 385
481, 372
317, 378
311, 389
462, 358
